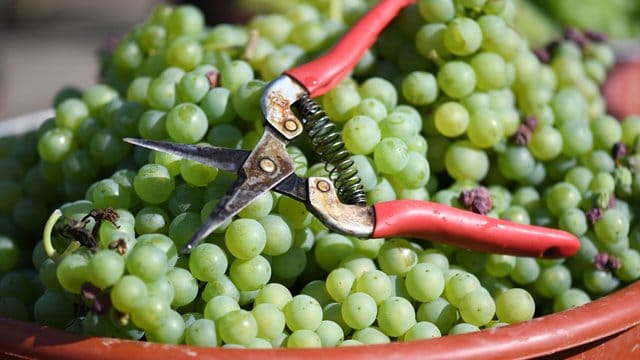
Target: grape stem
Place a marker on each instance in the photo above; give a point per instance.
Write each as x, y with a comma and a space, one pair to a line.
46, 238
46, 235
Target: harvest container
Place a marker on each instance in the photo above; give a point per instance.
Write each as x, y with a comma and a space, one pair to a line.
607, 328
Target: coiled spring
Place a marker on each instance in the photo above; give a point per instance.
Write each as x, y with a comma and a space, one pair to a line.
328, 144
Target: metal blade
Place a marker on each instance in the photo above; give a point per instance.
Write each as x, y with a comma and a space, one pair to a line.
222, 158
294, 187
264, 169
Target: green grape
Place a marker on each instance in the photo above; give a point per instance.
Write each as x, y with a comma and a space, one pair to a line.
499, 265
574, 221
553, 281
154, 313
569, 299
390, 155
599, 281
372, 108
340, 101
72, 272
439, 312
224, 135
259, 208
303, 338
202, 332
71, 113
207, 262
80, 166
290, 264
294, 212
359, 310
456, 79
161, 94
436, 10
416, 173
13, 308
330, 249
108, 193
310, 35
485, 128
152, 38
516, 162
250, 274
490, 69
451, 119
55, 144
185, 198
374, 283
192, 87
339, 283
361, 134
53, 309
245, 238
217, 105
459, 285
107, 147
279, 237
270, 320
171, 332
630, 128
273, 293
401, 124
422, 330
463, 36
127, 56
330, 333
561, 197
420, 88
105, 268
571, 131
153, 183
569, 104
357, 264
237, 327
218, 306
396, 316
612, 227
464, 161
397, 257
303, 312
381, 89
318, 290
147, 262
546, 143
184, 285
514, 306
425, 282
630, 265
128, 294
370, 335
184, 52
463, 328
186, 123
275, 27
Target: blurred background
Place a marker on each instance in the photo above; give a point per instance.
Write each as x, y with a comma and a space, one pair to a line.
46, 45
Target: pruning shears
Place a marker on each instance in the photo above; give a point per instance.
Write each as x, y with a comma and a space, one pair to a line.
339, 201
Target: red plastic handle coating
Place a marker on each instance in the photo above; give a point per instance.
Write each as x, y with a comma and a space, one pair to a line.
322, 74
465, 229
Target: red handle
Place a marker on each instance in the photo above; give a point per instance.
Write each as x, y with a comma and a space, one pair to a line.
322, 74
465, 229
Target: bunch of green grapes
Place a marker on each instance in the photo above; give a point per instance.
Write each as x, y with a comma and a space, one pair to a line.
450, 105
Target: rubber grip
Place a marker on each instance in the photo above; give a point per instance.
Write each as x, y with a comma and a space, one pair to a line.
465, 229
322, 74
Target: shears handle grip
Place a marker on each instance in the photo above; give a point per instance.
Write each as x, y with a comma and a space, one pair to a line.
465, 229
324, 73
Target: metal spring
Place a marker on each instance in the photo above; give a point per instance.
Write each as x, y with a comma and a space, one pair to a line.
327, 143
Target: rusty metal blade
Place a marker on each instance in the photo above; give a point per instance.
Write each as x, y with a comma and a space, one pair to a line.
222, 158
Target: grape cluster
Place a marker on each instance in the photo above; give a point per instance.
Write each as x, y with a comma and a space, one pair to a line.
450, 105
